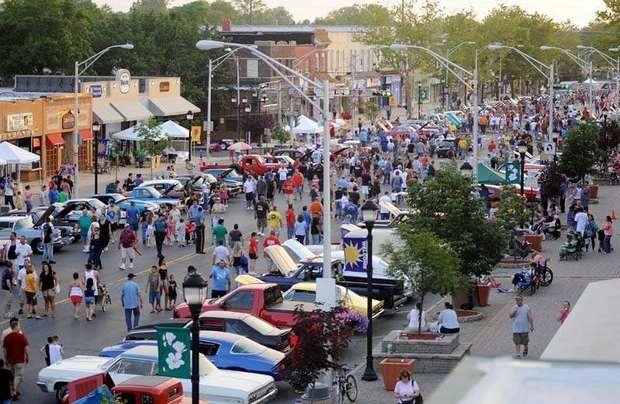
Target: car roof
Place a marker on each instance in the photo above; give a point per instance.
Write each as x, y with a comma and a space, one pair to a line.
81, 200
141, 351
162, 181
221, 336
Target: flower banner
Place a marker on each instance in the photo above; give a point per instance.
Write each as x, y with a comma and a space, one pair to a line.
174, 350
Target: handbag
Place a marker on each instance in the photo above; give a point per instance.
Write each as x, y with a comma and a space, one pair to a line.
57, 288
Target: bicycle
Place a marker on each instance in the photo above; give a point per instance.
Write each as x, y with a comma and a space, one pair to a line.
347, 385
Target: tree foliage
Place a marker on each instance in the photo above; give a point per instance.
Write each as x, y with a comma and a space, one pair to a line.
511, 210
429, 263
281, 135
446, 205
152, 140
581, 150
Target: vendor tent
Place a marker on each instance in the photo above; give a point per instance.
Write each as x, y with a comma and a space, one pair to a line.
12, 154
174, 130
486, 175
306, 125
130, 133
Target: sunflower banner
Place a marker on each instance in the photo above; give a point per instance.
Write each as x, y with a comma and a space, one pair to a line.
174, 352
355, 257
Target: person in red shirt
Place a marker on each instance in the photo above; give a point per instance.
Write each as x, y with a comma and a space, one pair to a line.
316, 208
16, 347
289, 189
298, 183
253, 251
272, 239
291, 217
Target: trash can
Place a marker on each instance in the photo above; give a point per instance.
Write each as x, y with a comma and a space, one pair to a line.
484, 290
593, 191
317, 393
391, 368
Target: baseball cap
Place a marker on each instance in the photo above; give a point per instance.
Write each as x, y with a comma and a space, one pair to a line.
130, 275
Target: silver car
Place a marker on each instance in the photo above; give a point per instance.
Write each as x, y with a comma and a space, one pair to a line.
23, 226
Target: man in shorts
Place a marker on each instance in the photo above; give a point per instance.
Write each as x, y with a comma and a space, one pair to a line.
262, 207
522, 325
126, 244
16, 354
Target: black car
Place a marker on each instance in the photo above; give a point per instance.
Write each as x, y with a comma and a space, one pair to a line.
243, 324
109, 198
446, 149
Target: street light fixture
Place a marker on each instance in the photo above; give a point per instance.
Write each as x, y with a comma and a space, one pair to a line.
96, 129
466, 169
522, 147
448, 53
615, 64
369, 215
80, 68
194, 294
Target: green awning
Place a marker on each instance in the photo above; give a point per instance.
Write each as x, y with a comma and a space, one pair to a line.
486, 175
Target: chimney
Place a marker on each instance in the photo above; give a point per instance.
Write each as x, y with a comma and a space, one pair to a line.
226, 25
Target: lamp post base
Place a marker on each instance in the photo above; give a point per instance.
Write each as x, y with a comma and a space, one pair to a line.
369, 374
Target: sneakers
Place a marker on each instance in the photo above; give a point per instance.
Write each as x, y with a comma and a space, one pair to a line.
122, 267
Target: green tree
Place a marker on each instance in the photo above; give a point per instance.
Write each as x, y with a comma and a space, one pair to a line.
429, 263
249, 9
371, 109
274, 16
152, 141
511, 209
358, 14
280, 134
448, 206
581, 150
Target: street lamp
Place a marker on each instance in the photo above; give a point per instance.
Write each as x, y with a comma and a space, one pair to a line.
466, 169
190, 118
615, 64
96, 129
419, 100
522, 147
369, 215
194, 294
81, 67
327, 283
539, 66
455, 69
448, 53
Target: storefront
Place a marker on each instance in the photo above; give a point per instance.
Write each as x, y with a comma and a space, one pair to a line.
21, 123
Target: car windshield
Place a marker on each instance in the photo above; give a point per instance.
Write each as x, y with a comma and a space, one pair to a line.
247, 346
97, 204
24, 223
233, 173
154, 193
258, 324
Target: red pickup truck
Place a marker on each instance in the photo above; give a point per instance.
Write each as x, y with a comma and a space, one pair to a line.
262, 300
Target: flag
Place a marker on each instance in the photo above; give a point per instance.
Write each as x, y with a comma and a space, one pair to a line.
513, 173
174, 351
354, 254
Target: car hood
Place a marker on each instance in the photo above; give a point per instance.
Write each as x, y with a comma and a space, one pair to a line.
235, 380
79, 363
45, 214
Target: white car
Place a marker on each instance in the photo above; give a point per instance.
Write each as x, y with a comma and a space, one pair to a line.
216, 386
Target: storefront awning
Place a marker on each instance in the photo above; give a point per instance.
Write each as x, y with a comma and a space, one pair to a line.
54, 139
171, 106
87, 135
132, 110
104, 113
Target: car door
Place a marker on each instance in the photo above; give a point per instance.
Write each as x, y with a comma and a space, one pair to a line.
126, 368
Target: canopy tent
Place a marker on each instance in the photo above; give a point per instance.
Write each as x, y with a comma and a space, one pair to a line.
11, 154
486, 175
130, 133
306, 125
173, 130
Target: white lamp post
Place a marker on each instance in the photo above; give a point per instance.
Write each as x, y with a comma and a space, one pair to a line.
615, 64
448, 53
80, 68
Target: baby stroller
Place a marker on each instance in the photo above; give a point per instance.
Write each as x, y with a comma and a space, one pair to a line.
553, 228
573, 248
526, 279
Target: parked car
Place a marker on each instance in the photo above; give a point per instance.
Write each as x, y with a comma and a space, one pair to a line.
244, 324
72, 209
109, 198
446, 148
150, 194
69, 231
216, 386
229, 177
23, 226
226, 351
171, 188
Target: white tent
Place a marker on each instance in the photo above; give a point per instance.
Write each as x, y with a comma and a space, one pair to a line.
306, 125
174, 130
11, 154
127, 134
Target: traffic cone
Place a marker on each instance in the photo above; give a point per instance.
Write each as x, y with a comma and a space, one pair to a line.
613, 214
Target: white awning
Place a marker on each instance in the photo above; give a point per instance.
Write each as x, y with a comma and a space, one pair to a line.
132, 110
9, 153
105, 113
171, 106
174, 130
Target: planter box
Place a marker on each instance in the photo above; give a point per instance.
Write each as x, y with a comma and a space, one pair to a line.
483, 290
535, 241
391, 368
397, 342
593, 191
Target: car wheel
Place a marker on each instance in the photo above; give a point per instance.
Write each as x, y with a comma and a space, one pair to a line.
61, 391
37, 246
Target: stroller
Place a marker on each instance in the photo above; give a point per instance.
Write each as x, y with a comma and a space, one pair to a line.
532, 278
573, 248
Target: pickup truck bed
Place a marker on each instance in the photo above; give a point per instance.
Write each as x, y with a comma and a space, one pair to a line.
288, 305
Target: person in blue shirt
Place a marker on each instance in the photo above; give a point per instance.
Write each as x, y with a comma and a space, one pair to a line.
52, 195
132, 215
161, 226
221, 279
131, 300
308, 220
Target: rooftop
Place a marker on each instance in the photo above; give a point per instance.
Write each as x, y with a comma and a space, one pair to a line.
293, 28
8, 94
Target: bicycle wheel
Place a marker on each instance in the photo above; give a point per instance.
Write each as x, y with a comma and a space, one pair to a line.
350, 388
546, 278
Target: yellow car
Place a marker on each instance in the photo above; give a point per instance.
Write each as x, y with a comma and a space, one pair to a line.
306, 292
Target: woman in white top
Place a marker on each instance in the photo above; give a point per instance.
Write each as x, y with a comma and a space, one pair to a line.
406, 390
448, 321
414, 320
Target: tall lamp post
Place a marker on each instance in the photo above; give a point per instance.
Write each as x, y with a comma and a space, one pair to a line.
194, 294
447, 87
80, 68
522, 150
419, 100
96, 129
369, 215
615, 64
190, 118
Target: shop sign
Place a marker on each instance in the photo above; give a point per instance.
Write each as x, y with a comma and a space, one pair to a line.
17, 122
15, 135
68, 121
124, 78
96, 90
164, 86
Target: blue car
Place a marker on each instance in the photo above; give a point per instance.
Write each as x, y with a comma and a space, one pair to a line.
226, 351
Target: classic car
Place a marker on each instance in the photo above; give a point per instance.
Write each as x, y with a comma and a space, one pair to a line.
224, 350
229, 177
23, 226
245, 324
150, 194
109, 198
72, 209
216, 386
69, 231
171, 188
446, 148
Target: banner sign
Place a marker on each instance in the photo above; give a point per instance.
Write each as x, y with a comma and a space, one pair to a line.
355, 256
196, 133
174, 350
513, 172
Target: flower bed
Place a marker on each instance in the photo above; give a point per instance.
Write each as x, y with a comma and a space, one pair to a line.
416, 336
466, 316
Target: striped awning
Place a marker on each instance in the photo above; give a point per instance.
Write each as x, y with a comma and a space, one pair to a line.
171, 106
131, 110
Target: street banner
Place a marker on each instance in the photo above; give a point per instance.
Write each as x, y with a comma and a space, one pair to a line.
174, 350
196, 132
354, 254
513, 172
